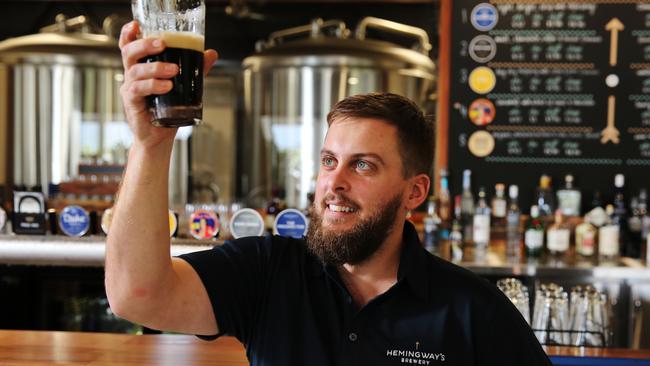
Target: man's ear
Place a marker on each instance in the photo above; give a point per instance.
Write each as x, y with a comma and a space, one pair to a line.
418, 192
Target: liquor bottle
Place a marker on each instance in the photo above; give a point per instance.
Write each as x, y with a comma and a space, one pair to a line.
513, 219
544, 196
558, 235
586, 238
619, 217
499, 205
481, 222
597, 215
609, 236
634, 226
467, 206
534, 236
647, 252
597, 200
444, 200
444, 207
431, 224
456, 235
569, 198
643, 212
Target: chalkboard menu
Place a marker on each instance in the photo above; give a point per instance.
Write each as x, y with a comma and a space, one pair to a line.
550, 87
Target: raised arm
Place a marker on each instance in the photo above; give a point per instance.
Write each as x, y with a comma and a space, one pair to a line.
143, 283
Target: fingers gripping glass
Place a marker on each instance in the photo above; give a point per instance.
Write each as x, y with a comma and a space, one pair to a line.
181, 25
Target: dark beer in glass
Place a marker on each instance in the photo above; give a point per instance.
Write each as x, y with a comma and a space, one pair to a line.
182, 106
180, 24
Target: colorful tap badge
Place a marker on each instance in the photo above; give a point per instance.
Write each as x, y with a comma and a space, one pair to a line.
291, 223
481, 144
204, 224
482, 80
29, 213
107, 216
74, 221
3, 219
246, 222
173, 223
481, 112
484, 17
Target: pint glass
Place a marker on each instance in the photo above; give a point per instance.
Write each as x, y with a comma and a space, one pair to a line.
181, 25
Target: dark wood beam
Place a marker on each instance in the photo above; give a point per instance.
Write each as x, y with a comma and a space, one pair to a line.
254, 2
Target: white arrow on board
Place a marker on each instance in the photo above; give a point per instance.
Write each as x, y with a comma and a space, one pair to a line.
614, 26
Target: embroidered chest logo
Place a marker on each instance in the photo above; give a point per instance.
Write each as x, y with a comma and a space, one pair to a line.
415, 357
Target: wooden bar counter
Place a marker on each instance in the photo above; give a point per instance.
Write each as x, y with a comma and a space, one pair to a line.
102, 349
41, 348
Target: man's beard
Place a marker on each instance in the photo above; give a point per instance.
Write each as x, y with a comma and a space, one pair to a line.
356, 245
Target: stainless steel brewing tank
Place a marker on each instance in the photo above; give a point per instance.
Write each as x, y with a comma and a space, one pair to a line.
61, 115
61, 104
290, 86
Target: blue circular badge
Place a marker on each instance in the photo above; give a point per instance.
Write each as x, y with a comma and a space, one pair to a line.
291, 223
484, 17
74, 221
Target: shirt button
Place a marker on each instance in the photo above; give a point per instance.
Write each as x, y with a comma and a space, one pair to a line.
352, 337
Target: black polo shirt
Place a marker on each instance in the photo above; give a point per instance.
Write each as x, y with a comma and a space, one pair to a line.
287, 308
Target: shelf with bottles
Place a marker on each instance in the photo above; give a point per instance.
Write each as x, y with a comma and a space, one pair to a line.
564, 243
554, 225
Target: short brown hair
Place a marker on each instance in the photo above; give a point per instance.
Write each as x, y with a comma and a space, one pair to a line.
415, 132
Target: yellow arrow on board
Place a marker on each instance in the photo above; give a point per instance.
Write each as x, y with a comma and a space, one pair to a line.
614, 26
610, 133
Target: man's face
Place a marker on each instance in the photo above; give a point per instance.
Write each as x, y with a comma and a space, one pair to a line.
359, 193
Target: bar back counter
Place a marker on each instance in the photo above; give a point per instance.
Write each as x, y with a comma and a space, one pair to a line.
55, 283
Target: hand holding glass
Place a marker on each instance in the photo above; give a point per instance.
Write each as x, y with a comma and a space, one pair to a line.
181, 25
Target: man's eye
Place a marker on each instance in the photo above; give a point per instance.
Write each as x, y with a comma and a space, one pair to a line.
362, 165
327, 162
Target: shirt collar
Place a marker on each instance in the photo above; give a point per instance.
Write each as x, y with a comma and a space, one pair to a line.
412, 266
413, 263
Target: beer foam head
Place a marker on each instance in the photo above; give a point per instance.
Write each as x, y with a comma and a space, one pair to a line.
186, 40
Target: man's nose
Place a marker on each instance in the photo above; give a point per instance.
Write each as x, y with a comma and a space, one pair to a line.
339, 179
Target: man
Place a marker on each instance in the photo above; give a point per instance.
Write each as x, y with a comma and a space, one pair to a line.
359, 290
